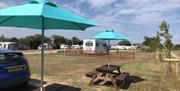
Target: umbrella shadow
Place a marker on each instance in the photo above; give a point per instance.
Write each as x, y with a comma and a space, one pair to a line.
59, 87
131, 79
32, 85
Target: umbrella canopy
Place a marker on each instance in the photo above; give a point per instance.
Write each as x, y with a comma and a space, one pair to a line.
109, 34
42, 14
30, 16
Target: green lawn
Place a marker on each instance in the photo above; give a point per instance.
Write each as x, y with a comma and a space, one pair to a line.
147, 75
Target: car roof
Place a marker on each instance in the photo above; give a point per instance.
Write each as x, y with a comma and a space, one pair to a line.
8, 51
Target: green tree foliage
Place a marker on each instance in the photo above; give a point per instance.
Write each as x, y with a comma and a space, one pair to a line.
2, 38
124, 42
164, 33
158, 46
176, 47
76, 41
13, 39
35, 40
58, 40
151, 44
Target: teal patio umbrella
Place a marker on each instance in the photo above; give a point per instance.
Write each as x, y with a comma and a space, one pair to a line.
42, 14
108, 35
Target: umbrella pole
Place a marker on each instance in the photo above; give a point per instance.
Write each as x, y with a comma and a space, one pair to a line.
108, 52
42, 56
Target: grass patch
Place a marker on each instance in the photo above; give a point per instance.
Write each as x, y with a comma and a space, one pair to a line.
70, 70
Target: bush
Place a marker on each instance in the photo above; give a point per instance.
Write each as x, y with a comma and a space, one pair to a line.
146, 48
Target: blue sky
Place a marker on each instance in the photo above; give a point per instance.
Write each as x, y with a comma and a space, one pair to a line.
135, 18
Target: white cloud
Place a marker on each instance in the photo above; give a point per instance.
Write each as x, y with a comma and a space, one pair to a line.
100, 3
109, 23
17, 32
147, 19
74, 9
3, 4
145, 11
9, 3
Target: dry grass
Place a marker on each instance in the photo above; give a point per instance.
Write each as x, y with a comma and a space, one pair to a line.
177, 52
70, 70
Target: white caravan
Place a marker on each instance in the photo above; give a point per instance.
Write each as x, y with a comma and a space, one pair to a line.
120, 47
94, 46
46, 46
63, 46
8, 45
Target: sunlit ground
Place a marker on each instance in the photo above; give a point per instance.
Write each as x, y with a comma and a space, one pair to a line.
146, 73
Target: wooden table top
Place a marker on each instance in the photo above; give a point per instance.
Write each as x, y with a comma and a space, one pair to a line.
107, 69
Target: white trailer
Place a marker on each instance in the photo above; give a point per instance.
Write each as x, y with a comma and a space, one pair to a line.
8, 45
63, 46
94, 46
46, 46
120, 47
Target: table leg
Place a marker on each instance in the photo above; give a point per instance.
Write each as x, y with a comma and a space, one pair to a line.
119, 71
114, 82
92, 80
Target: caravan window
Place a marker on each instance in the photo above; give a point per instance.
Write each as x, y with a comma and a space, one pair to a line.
11, 46
4, 46
97, 44
89, 43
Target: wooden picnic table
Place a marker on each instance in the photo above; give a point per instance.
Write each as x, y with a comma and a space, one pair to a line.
110, 69
107, 72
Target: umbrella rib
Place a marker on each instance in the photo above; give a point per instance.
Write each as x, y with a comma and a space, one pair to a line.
78, 25
7, 19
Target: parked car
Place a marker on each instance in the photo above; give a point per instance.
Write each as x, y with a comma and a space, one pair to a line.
75, 47
63, 46
14, 69
46, 46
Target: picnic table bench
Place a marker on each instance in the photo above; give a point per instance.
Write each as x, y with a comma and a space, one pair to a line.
122, 78
108, 72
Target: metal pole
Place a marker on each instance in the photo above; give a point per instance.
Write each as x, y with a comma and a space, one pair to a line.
42, 56
108, 52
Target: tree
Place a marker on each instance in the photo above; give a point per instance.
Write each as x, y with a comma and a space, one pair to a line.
13, 39
124, 42
2, 38
158, 46
76, 41
176, 47
151, 44
35, 40
164, 33
58, 40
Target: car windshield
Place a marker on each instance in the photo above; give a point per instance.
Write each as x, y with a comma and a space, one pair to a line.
10, 57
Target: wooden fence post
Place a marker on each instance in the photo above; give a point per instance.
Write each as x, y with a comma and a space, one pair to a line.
177, 68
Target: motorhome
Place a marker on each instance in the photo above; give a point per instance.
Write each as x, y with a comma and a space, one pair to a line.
8, 45
120, 47
75, 47
63, 46
46, 46
94, 46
